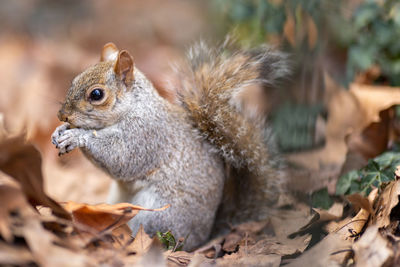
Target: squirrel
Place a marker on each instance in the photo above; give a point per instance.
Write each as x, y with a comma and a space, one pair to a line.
202, 154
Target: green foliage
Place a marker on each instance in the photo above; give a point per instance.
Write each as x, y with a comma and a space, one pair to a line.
321, 199
255, 20
369, 32
378, 170
376, 27
169, 241
294, 126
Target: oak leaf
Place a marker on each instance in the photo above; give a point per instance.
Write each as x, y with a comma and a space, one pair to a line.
103, 217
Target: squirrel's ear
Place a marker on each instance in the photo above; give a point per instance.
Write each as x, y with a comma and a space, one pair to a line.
109, 52
123, 67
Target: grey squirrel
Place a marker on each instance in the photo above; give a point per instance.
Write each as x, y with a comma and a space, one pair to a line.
200, 154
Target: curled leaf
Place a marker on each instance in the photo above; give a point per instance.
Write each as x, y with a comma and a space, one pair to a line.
103, 217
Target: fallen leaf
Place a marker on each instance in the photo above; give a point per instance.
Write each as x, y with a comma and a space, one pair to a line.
278, 246
287, 226
200, 260
154, 256
312, 31
11, 255
335, 212
289, 29
360, 202
243, 234
364, 102
123, 237
12, 200
253, 260
212, 248
339, 103
322, 254
387, 200
231, 242
374, 99
372, 249
46, 247
15, 156
178, 258
141, 242
350, 229
289, 222
103, 217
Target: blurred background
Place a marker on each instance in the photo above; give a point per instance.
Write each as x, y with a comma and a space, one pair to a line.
332, 46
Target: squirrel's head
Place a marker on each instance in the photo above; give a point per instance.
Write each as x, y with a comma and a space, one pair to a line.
93, 99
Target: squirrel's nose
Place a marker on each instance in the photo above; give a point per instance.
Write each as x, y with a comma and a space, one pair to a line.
62, 116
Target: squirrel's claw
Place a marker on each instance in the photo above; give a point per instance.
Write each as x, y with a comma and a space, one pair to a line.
56, 137
67, 140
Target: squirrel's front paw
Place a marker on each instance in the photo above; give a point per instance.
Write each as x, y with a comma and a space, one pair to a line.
58, 131
67, 139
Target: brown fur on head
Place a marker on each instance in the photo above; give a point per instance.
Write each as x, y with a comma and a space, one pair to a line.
92, 100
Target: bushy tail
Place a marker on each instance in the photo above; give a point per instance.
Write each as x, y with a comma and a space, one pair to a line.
208, 91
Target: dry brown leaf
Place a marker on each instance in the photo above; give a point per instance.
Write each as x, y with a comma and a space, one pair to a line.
323, 254
388, 199
243, 234
350, 229
252, 227
335, 212
278, 246
289, 222
102, 217
372, 249
199, 260
339, 103
11, 255
178, 258
289, 29
212, 248
231, 242
141, 242
46, 247
23, 162
364, 103
360, 202
374, 99
312, 31
251, 238
123, 237
253, 260
154, 256
12, 199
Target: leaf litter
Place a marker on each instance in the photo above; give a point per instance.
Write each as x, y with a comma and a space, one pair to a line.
36, 229
49, 233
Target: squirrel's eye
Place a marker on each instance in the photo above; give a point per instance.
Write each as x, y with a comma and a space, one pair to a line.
96, 94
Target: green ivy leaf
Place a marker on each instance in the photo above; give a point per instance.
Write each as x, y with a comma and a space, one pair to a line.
344, 184
321, 199
361, 57
365, 14
378, 170
169, 241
